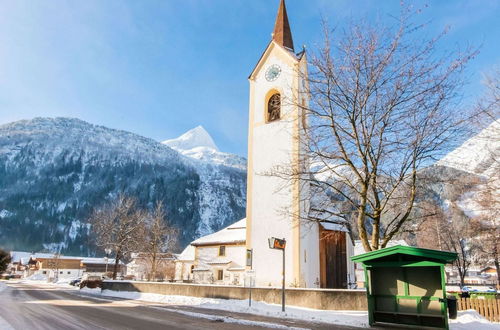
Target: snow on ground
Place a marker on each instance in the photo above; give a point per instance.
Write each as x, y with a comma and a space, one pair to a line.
470, 319
37, 277
351, 318
465, 321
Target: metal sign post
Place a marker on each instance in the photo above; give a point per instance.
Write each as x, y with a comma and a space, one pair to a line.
250, 283
280, 244
283, 284
250, 274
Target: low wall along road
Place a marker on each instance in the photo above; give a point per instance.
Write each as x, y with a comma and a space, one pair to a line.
327, 299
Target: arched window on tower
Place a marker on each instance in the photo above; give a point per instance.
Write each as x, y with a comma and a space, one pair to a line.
274, 107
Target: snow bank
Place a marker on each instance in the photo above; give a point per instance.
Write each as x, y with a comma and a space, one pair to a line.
471, 319
351, 318
465, 321
37, 277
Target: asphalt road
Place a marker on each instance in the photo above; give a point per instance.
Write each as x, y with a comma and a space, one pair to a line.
41, 306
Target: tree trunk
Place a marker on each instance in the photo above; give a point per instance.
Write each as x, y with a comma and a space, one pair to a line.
153, 267
361, 221
497, 264
117, 261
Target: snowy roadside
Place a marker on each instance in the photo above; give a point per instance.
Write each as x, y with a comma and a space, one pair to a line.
470, 319
465, 321
347, 318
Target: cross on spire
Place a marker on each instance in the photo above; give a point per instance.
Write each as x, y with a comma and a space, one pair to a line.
282, 33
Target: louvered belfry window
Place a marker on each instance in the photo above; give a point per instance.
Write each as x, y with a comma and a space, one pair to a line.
274, 107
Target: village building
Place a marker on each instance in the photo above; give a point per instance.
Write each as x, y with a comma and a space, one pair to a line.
54, 266
101, 266
140, 267
51, 266
184, 265
218, 258
475, 275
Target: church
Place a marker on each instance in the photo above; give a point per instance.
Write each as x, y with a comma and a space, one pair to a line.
317, 255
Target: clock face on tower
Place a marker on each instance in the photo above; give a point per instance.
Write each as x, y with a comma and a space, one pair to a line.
273, 72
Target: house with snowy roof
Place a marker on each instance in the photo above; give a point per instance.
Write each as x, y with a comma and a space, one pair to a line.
47, 266
218, 258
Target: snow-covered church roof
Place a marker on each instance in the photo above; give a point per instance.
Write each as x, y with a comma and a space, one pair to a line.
233, 234
187, 254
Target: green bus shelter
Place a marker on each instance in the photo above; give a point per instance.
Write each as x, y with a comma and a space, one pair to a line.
406, 285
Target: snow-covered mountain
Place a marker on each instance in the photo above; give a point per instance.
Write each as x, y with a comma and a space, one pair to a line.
469, 175
479, 154
198, 144
53, 171
194, 138
213, 166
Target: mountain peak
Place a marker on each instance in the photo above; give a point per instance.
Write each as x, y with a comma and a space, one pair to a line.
194, 138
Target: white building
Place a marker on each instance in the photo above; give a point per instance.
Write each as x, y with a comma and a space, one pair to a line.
140, 267
184, 265
51, 266
218, 258
316, 255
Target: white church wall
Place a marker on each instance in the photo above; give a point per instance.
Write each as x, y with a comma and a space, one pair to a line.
183, 270
232, 264
272, 197
351, 270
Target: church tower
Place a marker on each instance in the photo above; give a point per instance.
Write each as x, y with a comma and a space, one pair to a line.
276, 204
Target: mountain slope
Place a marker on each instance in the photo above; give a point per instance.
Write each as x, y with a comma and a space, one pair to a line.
479, 154
54, 171
217, 171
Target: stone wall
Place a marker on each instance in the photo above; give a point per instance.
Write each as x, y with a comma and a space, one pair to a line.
328, 299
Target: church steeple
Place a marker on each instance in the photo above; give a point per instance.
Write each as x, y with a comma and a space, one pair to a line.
282, 33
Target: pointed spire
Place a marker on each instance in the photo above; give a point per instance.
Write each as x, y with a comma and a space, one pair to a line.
282, 33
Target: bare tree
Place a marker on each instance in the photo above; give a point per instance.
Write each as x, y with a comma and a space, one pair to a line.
383, 105
160, 239
5, 260
487, 241
457, 235
119, 226
487, 223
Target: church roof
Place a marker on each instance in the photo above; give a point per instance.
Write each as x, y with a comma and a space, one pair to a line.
188, 254
233, 234
282, 33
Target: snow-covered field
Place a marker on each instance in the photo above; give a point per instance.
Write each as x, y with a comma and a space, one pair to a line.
466, 319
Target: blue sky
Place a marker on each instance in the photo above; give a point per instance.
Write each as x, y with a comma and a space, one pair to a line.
161, 67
